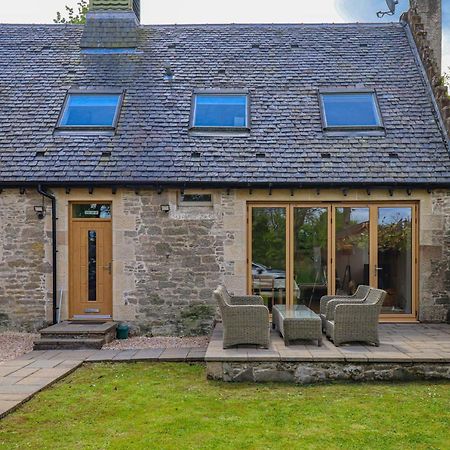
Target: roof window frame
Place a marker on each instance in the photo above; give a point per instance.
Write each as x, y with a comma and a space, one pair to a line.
225, 129
351, 129
91, 128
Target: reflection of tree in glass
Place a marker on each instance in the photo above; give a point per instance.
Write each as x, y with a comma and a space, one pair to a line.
352, 232
394, 233
311, 237
269, 237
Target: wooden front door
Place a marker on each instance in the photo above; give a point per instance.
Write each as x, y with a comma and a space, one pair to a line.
90, 261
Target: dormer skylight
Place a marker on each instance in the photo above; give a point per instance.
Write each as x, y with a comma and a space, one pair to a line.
348, 109
90, 111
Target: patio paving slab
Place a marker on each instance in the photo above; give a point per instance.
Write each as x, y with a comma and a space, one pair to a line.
9, 380
7, 405
45, 363
34, 381
24, 372
124, 355
174, 354
102, 355
5, 371
151, 354
399, 343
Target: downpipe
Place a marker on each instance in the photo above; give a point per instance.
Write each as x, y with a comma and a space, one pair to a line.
52, 198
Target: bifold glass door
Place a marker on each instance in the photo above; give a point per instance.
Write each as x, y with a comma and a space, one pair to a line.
394, 265
310, 254
269, 251
300, 252
352, 248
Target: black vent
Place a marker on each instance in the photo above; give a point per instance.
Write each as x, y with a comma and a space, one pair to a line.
260, 155
196, 154
326, 155
393, 155
40, 153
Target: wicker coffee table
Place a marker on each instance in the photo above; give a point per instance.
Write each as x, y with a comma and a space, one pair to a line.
297, 322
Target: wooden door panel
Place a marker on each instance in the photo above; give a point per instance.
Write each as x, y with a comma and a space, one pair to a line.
94, 266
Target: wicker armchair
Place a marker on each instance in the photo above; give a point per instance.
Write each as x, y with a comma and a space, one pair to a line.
359, 295
245, 319
355, 321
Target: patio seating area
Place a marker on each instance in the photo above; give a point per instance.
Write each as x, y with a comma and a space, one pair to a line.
398, 343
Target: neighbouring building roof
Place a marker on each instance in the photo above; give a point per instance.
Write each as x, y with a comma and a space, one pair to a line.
39, 63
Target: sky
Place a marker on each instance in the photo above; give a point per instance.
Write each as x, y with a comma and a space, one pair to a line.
232, 11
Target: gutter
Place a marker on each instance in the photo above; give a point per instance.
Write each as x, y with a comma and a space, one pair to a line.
43, 192
167, 184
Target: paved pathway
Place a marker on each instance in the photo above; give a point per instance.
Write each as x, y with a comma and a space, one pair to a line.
22, 378
399, 343
25, 376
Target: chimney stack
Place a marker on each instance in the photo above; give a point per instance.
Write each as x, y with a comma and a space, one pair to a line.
111, 24
430, 12
425, 21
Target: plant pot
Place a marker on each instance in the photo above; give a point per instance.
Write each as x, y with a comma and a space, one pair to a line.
122, 331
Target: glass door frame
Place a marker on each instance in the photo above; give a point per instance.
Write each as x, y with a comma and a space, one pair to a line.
291, 240
331, 272
250, 206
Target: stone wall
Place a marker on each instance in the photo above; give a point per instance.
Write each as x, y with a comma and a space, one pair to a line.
25, 297
166, 264
318, 372
178, 260
435, 260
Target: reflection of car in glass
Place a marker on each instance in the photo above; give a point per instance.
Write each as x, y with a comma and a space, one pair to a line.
279, 278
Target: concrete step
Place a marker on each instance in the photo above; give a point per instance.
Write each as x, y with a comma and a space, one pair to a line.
76, 335
68, 344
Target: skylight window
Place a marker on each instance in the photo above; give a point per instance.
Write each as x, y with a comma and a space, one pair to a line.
90, 111
220, 111
350, 110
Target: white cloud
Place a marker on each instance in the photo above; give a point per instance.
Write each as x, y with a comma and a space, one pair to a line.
190, 11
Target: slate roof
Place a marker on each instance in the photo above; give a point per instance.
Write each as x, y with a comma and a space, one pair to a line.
39, 63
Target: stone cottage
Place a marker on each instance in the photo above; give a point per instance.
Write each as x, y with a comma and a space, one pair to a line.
142, 165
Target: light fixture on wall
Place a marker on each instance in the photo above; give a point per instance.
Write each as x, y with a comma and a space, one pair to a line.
40, 211
165, 208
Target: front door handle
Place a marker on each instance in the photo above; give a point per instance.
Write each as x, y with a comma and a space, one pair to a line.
108, 267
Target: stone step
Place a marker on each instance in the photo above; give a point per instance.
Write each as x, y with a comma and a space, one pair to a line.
75, 335
68, 344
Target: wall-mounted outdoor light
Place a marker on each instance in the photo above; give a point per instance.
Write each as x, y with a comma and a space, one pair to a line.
165, 208
40, 211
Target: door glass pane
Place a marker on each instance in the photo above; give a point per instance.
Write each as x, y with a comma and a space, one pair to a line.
395, 258
269, 254
352, 249
310, 255
92, 266
91, 211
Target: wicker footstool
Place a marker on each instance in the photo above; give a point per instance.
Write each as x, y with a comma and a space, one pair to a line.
297, 322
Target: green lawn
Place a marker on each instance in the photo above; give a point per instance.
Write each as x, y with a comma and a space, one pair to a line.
172, 406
